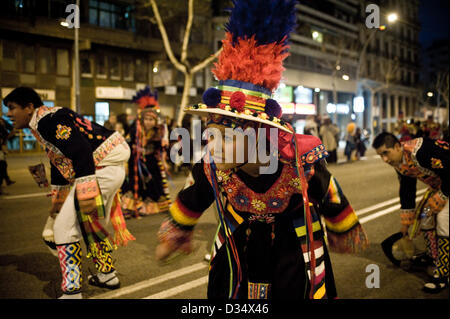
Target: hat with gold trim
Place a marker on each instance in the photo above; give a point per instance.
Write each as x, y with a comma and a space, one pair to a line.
250, 65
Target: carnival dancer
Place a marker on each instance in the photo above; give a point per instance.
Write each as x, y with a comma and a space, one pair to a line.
87, 170
146, 189
428, 161
271, 241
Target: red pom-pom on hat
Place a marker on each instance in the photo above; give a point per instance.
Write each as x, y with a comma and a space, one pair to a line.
237, 101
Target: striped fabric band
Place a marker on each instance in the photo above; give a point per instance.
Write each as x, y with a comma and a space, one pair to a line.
183, 215
334, 191
342, 223
317, 245
250, 99
251, 103
245, 87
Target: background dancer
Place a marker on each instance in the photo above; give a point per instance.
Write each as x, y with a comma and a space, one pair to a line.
146, 190
87, 170
427, 160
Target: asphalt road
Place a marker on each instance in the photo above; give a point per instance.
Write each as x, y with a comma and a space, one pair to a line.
28, 270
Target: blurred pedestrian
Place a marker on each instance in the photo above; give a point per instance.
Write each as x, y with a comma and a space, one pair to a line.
123, 119
86, 173
6, 131
350, 141
360, 143
428, 161
418, 129
329, 133
311, 127
111, 122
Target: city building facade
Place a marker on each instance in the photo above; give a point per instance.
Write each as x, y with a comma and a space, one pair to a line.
120, 51
338, 66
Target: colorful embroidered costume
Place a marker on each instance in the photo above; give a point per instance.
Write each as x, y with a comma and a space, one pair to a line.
427, 160
271, 241
146, 190
87, 162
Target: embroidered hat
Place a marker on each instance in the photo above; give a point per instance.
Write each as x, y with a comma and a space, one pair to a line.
250, 66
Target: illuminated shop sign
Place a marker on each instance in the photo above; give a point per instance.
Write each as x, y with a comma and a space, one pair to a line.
303, 95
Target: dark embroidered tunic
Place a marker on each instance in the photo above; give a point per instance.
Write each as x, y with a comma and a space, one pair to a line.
264, 216
427, 160
74, 145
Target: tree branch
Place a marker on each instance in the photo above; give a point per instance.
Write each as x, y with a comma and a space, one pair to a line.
181, 67
187, 32
205, 62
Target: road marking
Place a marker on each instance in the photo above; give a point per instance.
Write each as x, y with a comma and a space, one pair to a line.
151, 282
25, 196
179, 289
385, 203
378, 214
204, 280
385, 211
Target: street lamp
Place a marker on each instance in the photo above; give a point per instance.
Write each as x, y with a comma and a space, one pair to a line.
430, 94
76, 74
392, 17
345, 77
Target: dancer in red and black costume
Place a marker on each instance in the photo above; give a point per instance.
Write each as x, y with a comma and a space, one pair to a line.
146, 189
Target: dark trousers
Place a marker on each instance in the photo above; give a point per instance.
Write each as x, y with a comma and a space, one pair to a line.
332, 156
3, 174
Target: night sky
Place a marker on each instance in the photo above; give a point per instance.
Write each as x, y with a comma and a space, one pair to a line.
433, 15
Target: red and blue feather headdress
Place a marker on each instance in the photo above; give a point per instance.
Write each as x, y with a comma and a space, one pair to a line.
250, 67
146, 98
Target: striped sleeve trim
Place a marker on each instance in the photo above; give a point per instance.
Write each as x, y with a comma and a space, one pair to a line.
183, 215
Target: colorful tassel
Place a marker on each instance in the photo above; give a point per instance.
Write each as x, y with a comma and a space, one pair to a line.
121, 234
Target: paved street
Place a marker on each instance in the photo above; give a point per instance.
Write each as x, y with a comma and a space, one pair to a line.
28, 270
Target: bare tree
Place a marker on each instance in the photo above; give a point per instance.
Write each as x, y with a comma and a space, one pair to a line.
338, 54
442, 88
182, 64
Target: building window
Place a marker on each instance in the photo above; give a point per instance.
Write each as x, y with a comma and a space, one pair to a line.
62, 62
101, 71
46, 61
128, 69
86, 65
9, 60
140, 73
109, 15
57, 8
28, 59
101, 112
114, 67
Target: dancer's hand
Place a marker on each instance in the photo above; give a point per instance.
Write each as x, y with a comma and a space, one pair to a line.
164, 250
88, 206
54, 210
171, 239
